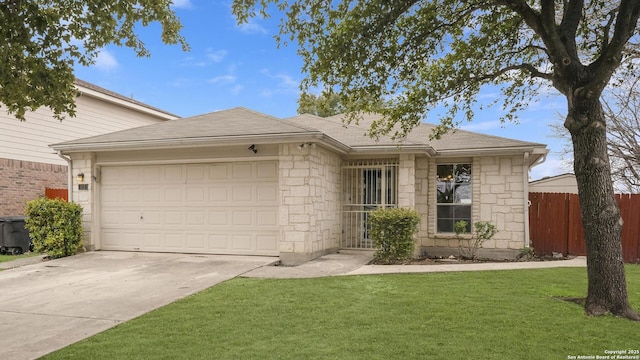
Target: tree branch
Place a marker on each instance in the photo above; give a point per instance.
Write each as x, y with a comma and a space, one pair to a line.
543, 24
522, 67
570, 20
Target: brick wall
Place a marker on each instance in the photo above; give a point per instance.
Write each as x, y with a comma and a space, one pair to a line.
22, 181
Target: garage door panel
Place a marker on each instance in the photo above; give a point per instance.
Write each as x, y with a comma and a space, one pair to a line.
267, 242
219, 208
219, 241
195, 217
196, 193
173, 217
267, 170
173, 173
242, 171
152, 240
218, 217
196, 242
219, 171
266, 218
241, 242
266, 193
173, 194
218, 194
242, 193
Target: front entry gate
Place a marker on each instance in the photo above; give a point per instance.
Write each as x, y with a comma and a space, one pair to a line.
366, 185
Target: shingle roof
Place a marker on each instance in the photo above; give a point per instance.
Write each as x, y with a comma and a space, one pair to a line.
221, 124
243, 124
354, 135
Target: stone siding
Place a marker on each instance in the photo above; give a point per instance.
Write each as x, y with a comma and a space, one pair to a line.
309, 202
498, 197
23, 181
83, 163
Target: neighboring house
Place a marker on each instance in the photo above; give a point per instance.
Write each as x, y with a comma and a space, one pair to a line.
27, 163
564, 183
241, 182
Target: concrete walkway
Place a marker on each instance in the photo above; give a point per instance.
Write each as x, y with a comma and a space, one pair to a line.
353, 262
45, 306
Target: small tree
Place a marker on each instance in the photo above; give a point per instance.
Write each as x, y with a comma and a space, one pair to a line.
55, 226
392, 231
469, 246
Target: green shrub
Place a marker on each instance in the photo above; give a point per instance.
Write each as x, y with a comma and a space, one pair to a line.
484, 230
392, 231
55, 226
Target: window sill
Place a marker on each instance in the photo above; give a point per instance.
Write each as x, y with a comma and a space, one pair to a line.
452, 236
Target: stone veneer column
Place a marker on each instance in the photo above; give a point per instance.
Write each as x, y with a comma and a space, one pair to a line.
309, 216
407, 181
83, 163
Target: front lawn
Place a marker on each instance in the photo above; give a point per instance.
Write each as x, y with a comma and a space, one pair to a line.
479, 315
5, 258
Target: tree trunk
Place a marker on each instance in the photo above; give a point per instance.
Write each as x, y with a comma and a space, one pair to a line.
607, 291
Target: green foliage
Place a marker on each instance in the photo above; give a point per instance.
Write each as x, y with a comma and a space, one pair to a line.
55, 226
419, 54
527, 254
392, 231
322, 105
41, 41
469, 246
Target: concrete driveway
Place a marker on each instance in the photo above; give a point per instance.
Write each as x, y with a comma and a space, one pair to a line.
49, 305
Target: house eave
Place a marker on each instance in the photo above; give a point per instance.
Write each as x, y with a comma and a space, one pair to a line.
202, 142
512, 150
393, 149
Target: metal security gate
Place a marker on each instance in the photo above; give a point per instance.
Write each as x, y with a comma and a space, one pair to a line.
366, 185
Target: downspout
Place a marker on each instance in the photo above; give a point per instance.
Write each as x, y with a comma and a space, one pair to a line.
525, 181
69, 175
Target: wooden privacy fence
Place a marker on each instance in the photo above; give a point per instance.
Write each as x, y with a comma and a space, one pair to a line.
50, 193
555, 224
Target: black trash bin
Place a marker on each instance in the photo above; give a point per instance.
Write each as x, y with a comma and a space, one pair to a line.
14, 237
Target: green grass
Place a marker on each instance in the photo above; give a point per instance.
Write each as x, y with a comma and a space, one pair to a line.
5, 258
470, 315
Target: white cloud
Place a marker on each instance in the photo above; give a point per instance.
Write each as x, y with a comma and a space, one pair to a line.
252, 27
284, 83
482, 125
105, 61
182, 4
210, 57
216, 56
223, 79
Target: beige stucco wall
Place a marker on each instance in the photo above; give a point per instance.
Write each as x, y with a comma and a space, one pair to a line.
498, 197
310, 206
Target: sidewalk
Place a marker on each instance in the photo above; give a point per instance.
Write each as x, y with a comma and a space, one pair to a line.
355, 262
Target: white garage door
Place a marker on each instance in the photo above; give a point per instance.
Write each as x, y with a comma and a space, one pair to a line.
217, 208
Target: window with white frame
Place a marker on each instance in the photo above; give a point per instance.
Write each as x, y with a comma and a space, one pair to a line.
454, 191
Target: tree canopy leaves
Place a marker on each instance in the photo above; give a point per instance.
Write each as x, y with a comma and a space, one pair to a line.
418, 54
42, 40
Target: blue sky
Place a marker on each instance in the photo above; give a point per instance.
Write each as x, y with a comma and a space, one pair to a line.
231, 65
